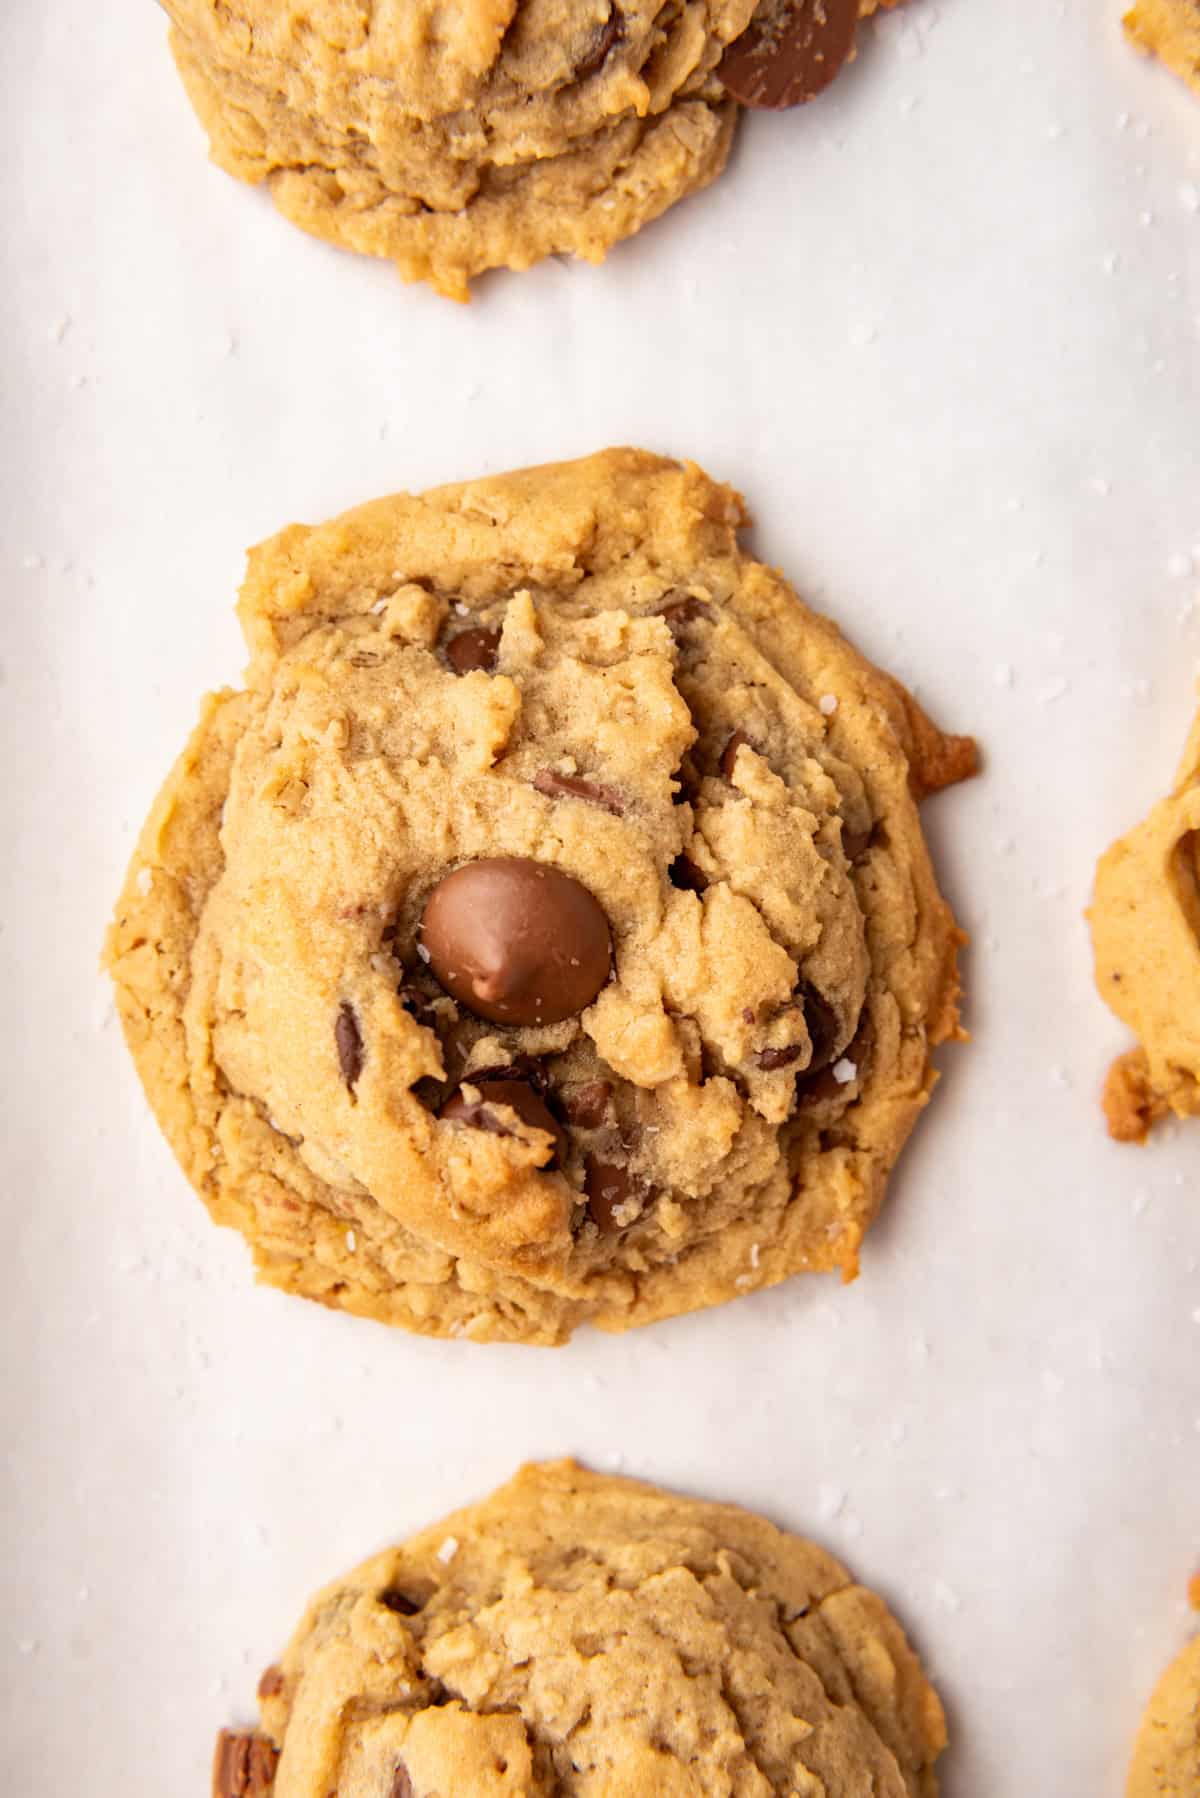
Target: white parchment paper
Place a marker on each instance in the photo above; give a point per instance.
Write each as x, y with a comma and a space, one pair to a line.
943, 328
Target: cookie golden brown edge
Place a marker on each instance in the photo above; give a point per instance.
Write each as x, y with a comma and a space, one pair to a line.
643, 715
579, 1635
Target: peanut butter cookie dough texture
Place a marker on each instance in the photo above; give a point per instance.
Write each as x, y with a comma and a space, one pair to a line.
576, 1636
546, 933
492, 133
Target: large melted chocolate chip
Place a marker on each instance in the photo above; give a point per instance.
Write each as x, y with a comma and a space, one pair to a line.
349, 1041
481, 1113
243, 1765
568, 786
473, 648
603, 40
790, 51
516, 941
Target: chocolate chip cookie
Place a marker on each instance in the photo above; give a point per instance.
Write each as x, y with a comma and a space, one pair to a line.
581, 1635
1166, 1756
1169, 29
546, 932
492, 133
1145, 919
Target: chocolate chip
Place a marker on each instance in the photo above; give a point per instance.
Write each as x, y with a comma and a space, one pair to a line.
790, 51
682, 612
739, 740
394, 1598
855, 843
608, 1186
587, 1106
566, 786
243, 1766
769, 1060
684, 873
602, 41
821, 1021
402, 1785
474, 648
518, 1097
271, 1683
349, 1045
517, 941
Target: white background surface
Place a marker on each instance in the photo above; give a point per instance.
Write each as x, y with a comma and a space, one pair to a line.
943, 328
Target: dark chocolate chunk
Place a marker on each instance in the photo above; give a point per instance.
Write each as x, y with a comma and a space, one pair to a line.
682, 612
349, 1045
586, 1106
684, 873
271, 1683
481, 1114
602, 41
517, 941
395, 1598
822, 1024
770, 1060
607, 1185
739, 740
790, 51
243, 1765
567, 786
474, 648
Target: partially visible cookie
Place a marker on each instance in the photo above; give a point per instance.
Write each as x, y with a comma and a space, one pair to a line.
546, 934
491, 133
576, 1636
1166, 1756
1169, 29
1145, 919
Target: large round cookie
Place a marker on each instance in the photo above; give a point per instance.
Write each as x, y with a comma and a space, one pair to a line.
575, 667
593, 1638
490, 133
1145, 919
1166, 1756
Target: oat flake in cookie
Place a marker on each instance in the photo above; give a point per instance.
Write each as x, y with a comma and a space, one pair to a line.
597, 982
576, 1636
491, 133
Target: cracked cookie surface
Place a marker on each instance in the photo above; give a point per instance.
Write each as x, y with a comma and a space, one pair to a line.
451, 140
754, 959
1170, 30
576, 1636
1166, 1756
1145, 921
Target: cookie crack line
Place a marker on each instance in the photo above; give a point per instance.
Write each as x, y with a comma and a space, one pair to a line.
385, 905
